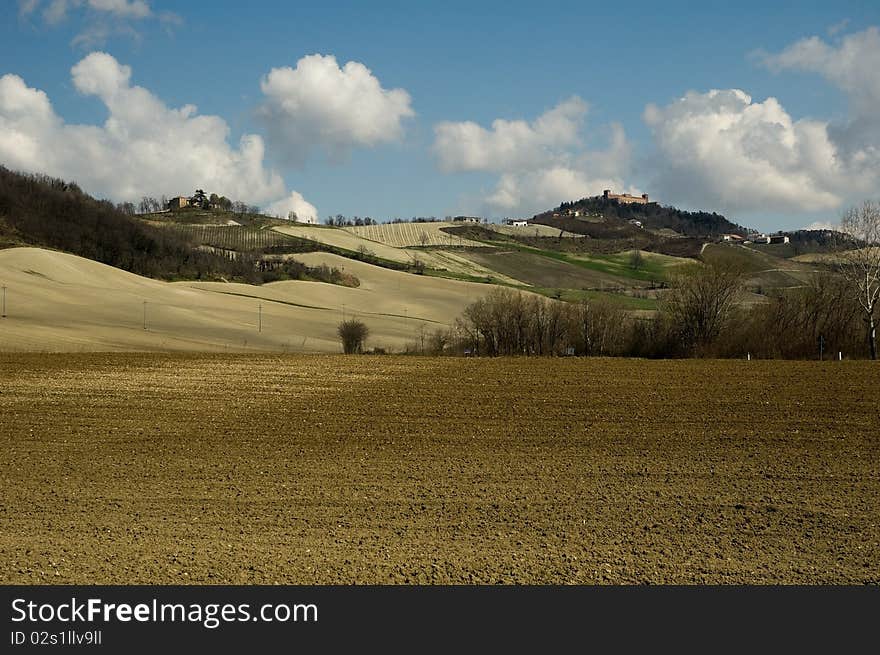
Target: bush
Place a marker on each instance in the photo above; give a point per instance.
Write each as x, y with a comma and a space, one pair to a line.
353, 334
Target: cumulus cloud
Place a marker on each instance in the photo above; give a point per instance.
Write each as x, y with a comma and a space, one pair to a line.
541, 163
101, 18
467, 146
722, 149
143, 148
852, 64
320, 105
305, 211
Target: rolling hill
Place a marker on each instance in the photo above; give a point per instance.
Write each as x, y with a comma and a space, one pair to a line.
82, 275
60, 302
653, 216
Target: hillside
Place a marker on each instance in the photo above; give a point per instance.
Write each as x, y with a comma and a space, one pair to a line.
601, 216
61, 302
762, 270
50, 213
197, 277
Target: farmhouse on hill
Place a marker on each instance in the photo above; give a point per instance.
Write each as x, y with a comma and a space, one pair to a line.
178, 203
516, 222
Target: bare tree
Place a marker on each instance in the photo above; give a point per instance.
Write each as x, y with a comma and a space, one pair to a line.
702, 301
861, 266
636, 260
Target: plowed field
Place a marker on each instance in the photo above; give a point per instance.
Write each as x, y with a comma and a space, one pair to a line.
328, 469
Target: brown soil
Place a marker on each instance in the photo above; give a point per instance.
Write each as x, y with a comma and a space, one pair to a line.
325, 469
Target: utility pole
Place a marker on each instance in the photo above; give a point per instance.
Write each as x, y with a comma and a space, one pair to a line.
821, 346
4, 303
145, 314
343, 312
260, 317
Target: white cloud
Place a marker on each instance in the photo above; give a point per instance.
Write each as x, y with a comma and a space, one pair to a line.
853, 66
144, 147
541, 163
722, 149
27, 7
57, 10
318, 104
101, 19
509, 145
305, 211
123, 8
534, 191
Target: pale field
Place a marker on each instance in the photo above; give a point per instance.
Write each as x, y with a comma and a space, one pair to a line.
404, 235
532, 231
436, 259
827, 258
60, 302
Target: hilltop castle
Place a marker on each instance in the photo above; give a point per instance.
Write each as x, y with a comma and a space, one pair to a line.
625, 198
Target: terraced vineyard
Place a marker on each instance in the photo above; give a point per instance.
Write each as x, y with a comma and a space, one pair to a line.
267, 469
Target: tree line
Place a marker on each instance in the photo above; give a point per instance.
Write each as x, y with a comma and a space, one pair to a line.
200, 199
702, 315
654, 216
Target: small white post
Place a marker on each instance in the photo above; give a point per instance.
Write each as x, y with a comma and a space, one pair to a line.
839, 356
748, 357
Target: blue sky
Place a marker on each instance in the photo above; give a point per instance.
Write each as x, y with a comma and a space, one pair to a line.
610, 94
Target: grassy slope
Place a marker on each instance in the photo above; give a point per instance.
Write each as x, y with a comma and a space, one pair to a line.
615, 268
762, 268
